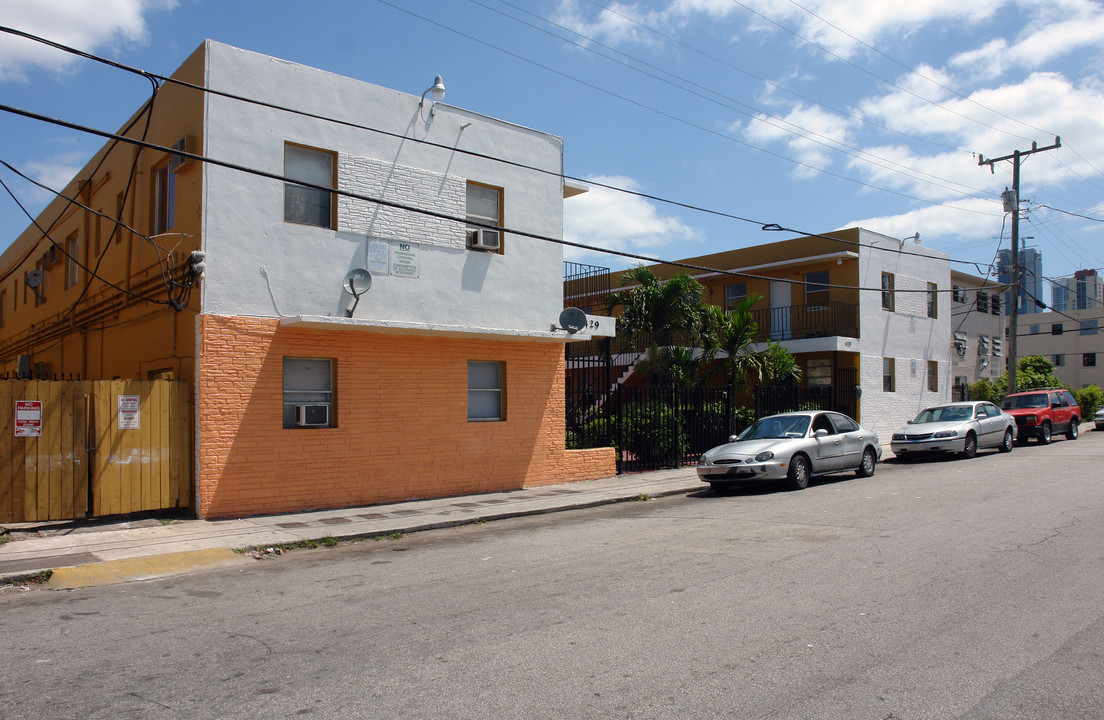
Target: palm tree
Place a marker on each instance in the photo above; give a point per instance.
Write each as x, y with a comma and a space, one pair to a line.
669, 310
734, 334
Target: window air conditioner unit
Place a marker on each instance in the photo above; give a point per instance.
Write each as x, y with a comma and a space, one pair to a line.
312, 415
482, 239
179, 162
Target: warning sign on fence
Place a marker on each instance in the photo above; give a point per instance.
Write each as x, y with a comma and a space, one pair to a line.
28, 418
130, 412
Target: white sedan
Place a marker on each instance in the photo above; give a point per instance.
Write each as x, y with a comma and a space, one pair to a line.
960, 427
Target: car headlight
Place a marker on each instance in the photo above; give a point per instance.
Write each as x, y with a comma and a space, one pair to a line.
764, 456
945, 434
898, 436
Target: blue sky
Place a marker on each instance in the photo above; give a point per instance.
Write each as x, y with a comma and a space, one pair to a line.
810, 114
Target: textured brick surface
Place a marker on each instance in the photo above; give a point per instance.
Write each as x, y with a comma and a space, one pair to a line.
400, 404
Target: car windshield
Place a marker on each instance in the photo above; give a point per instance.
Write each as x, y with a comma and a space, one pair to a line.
1016, 402
777, 426
945, 414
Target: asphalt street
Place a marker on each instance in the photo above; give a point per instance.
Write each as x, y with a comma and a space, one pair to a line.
945, 589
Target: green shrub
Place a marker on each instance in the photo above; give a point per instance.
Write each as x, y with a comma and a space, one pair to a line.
1090, 398
651, 433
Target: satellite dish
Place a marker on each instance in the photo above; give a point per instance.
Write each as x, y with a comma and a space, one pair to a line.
33, 278
572, 319
357, 282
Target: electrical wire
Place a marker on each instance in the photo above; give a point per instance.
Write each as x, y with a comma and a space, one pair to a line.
752, 112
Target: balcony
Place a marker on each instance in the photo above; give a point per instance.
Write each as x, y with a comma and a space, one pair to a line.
832, 319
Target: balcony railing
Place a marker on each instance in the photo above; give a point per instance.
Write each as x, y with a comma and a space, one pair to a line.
793, 322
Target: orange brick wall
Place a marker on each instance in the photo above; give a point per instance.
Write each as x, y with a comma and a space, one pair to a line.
400, 404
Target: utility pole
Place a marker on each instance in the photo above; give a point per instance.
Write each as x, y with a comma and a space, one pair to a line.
1012, 204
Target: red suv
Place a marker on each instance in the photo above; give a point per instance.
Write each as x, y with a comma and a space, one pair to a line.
1041, 412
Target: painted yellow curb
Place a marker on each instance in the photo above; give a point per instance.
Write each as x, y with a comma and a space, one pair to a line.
110, 572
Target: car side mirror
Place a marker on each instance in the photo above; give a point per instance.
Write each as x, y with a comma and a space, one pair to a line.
820, 432
732, 438
910, 422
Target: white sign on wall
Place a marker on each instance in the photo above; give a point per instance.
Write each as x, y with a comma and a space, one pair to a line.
404, 259
130, 412
379, 257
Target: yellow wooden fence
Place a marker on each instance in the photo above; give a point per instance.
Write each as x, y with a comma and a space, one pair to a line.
123, 445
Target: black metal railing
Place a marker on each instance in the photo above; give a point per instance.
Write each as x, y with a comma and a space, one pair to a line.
807, 321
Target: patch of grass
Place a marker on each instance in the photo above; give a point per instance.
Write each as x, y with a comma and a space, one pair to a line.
642, 497
166, 521
396, 535
5, 538
329, 541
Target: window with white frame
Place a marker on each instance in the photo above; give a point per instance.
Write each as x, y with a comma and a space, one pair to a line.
816, 290
308, 393
485, 391
484, 206
734, 293
308, 205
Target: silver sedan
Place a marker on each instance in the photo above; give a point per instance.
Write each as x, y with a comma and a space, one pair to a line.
960, 427
793, 447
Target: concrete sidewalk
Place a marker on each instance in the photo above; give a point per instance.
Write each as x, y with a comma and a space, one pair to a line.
85, 553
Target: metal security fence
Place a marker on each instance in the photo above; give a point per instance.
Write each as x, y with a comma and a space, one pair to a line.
842, 396
654, 427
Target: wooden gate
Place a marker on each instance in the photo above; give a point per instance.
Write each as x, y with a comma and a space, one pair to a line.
91, 448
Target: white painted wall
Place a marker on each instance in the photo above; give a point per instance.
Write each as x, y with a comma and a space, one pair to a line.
906, 334
260, 266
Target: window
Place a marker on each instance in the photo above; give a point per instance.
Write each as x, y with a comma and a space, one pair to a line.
983, 345
995, 304
308, 393
1059, 361
1088, 360
844, 424
958, 294
39, 291
484, 205
816, 290
982, 302
887, 291
1056, 329
1089, 327
933, 376
308, 205
72, 268
1034, 330
933, 299
162, 199
960, 380
485, 391
888, 384
733, 295
996, 347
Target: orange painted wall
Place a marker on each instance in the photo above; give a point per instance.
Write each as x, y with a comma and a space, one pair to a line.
400, 404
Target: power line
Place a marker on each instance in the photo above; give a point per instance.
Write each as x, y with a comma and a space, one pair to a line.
752, 112
444, 216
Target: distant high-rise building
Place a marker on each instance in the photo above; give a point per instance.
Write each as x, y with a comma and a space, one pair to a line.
1031, 278
1083, 291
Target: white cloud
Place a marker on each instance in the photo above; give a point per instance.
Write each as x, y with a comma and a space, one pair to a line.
939, 226
83, 25
810, 133
614, 220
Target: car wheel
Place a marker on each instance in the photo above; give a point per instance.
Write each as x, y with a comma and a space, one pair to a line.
1044, 434
969, 448
799, 472
1006, 444
869, 462
1072, 432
